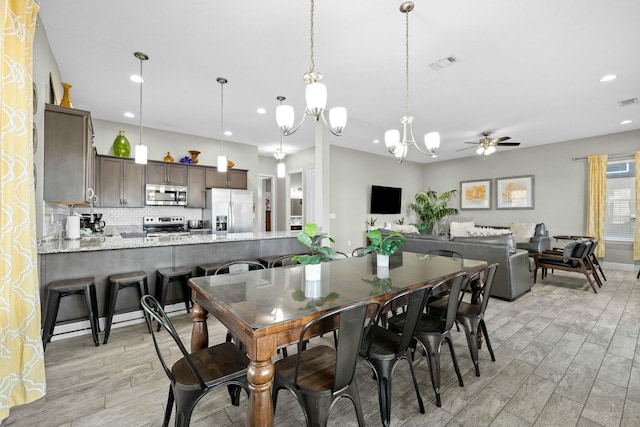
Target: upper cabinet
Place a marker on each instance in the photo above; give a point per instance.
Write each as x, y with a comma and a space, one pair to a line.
164, 173
120, 183
69, 157
233, 178
195, 197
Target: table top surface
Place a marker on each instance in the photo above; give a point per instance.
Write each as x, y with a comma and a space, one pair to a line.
261, 298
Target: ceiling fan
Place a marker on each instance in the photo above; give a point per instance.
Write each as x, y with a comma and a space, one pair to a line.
487, 145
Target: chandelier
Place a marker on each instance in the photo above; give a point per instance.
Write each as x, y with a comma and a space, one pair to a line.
140, 152
396, 146
316, 99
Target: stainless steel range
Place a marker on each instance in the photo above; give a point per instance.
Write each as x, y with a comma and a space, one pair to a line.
158, 226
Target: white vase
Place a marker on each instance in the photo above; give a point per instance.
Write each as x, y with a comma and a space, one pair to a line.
313, 288
382, 260
382, 272
312, 272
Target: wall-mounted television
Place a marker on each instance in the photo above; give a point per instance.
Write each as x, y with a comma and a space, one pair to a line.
386, 200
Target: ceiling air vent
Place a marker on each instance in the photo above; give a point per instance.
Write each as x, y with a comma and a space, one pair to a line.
627, 102
444, 63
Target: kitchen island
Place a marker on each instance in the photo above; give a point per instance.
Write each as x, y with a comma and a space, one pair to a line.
102, 256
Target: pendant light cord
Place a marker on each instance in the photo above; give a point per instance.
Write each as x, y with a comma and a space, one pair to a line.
221, 117
141, 83
406, 73
313, 64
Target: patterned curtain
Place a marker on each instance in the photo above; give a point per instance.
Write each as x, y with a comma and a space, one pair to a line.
636, 238
22, 377
596, 215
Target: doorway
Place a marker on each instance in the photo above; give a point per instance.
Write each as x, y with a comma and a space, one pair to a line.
294, 200
266, 196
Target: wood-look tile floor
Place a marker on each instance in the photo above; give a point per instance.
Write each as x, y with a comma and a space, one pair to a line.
564, 357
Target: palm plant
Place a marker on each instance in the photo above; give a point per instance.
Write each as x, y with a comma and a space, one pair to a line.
431, 207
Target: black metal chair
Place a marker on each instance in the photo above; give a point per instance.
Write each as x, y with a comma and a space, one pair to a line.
196, 374
433, 329
240, 266
284, 261
320, 375
357, 252
340, 255
383, 348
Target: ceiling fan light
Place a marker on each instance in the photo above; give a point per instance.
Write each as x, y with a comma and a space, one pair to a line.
480, 150
338, 118
490, 150
432, 141
284, 117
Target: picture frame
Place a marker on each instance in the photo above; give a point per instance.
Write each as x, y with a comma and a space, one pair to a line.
475, 194
515, 192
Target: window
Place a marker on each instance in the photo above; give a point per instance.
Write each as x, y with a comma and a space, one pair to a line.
621, 201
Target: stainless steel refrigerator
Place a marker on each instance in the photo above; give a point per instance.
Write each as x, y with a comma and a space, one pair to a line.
228, 211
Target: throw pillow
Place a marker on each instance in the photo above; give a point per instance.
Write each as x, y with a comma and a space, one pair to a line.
460, 229
523, 232
405, 228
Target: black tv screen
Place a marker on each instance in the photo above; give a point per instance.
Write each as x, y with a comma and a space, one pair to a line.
386, 200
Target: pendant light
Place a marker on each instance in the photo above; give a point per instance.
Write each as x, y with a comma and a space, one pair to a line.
316, 99
279, 154
396, 146
222, 159
141, 150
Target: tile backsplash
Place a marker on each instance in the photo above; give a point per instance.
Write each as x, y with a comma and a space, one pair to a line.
128, 218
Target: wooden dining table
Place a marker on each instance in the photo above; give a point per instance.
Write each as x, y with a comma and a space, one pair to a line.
266, 309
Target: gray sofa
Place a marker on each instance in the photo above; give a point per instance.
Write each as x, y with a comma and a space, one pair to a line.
513, 277
538, 243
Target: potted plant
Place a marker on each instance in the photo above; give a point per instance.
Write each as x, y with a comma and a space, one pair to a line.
371, 223
431, 207
317, 252
383, 246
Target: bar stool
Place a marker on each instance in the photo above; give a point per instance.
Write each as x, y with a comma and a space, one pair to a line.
167, 275
117, 282
62, 288
208, 269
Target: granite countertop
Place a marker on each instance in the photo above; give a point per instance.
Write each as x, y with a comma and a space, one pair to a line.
110, 242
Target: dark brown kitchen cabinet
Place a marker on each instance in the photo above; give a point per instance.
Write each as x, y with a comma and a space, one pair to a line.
196, 184
233, 178
69, 157
164, 173
120, 183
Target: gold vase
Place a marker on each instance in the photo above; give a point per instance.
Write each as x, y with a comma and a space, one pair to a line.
194, 155
168, 157
66, 97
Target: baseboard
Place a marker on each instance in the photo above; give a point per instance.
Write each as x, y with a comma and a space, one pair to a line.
618, 266
83, 327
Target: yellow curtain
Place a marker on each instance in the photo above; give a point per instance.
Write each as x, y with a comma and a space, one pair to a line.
596, 215
22, 377
636, 238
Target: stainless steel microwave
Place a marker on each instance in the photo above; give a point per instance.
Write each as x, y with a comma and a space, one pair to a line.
166, 195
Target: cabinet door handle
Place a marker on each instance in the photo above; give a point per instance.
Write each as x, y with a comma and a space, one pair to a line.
125, 201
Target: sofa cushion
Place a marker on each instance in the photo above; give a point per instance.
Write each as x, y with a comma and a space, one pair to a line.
439, 237
498, 240
523, 231
405, 228
460, 229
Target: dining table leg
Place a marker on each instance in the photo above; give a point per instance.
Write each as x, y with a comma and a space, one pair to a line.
260, 378
199, 332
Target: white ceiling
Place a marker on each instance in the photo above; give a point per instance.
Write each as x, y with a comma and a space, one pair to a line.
528, 69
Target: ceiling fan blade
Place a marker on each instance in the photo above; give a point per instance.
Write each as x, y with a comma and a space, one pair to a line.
466, 148
504, 138
469, 142
508, 144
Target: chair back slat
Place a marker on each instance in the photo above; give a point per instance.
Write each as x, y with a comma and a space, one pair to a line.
490, 274
455, 286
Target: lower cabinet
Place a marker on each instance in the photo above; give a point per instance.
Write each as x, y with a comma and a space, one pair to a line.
120, 183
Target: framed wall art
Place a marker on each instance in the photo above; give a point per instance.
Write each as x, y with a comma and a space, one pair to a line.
515, 192
475, 194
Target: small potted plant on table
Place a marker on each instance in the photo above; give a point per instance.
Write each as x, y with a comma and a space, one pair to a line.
317, 252
383, 246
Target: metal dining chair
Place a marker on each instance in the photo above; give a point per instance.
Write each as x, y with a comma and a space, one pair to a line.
319, 376
194, 375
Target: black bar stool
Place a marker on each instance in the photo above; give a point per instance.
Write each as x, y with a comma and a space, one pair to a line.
62, 288
117, 282
167, 275
208, 269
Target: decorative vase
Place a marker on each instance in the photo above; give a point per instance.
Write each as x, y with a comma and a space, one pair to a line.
194, 155
121, 146
66, 98
313, 288
168, 157
313, 272
382, 272
382, 260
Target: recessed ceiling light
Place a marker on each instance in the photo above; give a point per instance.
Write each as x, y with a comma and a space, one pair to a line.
129, 115
625, 122
228, 133
262, 111
376, 141
136, 78
608, 78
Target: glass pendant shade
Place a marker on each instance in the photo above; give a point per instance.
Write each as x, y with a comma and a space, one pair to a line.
392, 139
316, 97
432, 141
222, 163
338, 118
281, 171
141, 154
284, 117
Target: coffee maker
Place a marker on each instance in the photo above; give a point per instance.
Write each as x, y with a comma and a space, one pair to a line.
92, 222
